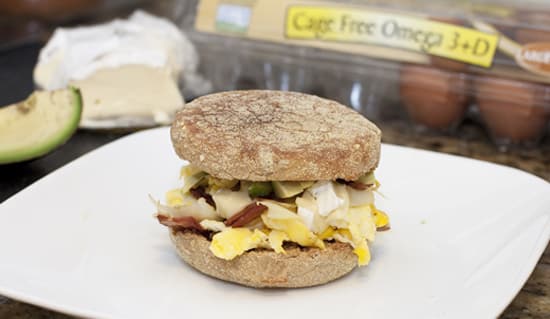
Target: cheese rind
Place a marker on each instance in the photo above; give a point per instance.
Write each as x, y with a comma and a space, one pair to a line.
142, 39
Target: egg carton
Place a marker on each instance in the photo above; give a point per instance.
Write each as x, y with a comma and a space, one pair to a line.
513, 105
515, 112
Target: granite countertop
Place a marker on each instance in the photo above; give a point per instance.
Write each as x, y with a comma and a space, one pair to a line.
533, 301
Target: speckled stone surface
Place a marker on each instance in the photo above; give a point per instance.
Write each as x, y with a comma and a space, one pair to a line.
532, 302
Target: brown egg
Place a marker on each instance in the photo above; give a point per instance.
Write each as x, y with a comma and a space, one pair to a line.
525, 35
434, 98
514, 111
534, 26
444, 63
447, 64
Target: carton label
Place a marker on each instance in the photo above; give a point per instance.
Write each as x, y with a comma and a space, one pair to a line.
233, 18
347, 25
352, 29
535, 57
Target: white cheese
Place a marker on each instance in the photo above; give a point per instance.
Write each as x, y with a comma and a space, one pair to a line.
360, 197
326, 197
307, 216
128, 69
132, 95
213, 225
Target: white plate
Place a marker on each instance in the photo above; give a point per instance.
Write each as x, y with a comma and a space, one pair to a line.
465, 236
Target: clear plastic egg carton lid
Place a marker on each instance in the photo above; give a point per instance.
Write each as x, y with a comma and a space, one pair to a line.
435, 64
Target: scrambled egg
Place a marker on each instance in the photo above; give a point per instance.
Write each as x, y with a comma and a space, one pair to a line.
232, 242
174, 197
285, 225
363, 253
381, 219
325, 211
360, 247
276, 239
282, 219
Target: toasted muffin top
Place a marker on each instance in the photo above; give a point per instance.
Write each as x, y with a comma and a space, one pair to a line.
263, 135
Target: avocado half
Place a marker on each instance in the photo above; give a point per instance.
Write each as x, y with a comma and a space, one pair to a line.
36, 126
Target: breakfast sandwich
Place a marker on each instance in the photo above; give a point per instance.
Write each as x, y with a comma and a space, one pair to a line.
279, 189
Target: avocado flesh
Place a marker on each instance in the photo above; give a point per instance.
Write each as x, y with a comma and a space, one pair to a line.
367, 179
257, 189
289, 189
229, 203
39, 124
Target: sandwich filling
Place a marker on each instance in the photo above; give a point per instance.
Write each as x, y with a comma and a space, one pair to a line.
242, 215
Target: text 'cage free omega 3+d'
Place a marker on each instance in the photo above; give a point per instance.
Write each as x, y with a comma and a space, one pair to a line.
436, 62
